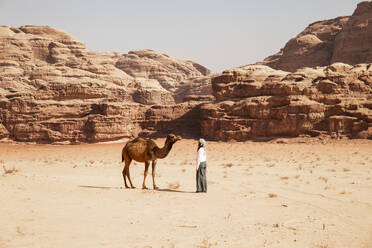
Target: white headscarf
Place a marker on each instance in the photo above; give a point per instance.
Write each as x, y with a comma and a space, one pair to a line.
202, 142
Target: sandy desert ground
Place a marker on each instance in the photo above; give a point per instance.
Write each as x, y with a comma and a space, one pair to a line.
260, 195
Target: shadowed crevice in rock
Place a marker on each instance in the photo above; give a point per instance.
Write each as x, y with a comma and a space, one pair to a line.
160, 122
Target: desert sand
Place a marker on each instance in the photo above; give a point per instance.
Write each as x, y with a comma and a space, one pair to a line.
260, 194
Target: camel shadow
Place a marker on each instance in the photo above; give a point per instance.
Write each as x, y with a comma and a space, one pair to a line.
107, 187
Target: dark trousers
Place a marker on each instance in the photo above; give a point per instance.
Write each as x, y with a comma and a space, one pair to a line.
201, 178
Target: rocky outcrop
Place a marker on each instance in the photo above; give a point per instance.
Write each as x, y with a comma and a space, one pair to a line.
257, 101
166, 70
53, 90
343, 39
353, 44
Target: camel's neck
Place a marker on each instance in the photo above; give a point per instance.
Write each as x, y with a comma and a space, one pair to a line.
163, 152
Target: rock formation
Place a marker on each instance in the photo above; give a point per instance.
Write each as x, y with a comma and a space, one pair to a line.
53, 90
345, 39
257, 101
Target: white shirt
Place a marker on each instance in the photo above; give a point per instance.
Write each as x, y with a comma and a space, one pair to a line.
202, 156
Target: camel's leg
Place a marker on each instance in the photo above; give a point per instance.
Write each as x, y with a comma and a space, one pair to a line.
127, 173
125, 180
127, 163
153, 174
147, 163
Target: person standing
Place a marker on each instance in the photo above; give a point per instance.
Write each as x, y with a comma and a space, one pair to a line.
201, 167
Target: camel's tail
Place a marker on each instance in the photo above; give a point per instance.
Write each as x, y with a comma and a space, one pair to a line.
122, 153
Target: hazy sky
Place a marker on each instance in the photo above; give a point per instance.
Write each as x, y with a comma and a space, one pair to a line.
217, 34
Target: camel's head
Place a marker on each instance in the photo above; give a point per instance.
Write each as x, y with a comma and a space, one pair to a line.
173, 138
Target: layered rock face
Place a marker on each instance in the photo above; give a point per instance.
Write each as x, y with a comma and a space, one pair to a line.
343, 39
53, 90
257, 101
354, 43
166, 70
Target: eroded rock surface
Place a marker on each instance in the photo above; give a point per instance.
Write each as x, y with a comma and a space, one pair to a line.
53, 90
257, 101
346, 39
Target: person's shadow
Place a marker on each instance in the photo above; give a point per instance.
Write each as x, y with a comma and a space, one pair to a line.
174, 191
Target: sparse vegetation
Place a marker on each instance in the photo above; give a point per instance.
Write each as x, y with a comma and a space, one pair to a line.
322, 246
13, 170
324, 179
229, 165
271, 195
175, 185
206, 243
185, 162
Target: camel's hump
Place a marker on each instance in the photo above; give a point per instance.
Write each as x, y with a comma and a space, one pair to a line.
150, 143
138, 139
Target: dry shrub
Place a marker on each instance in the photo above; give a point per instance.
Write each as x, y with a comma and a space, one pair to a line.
185, 162
322, 246
206, 243
284, 178
271, 195
324, 179
345, 169
10, 171
229, 165
183, 170
175, 185
19, 231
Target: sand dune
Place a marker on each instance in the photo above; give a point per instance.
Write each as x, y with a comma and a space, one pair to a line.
259, 195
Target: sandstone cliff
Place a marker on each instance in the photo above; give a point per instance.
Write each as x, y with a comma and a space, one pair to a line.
257, 101
344, 39
53, 90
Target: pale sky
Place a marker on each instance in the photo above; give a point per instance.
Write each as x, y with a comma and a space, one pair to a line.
218, 34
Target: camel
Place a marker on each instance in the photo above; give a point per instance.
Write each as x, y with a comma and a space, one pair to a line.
145, 150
